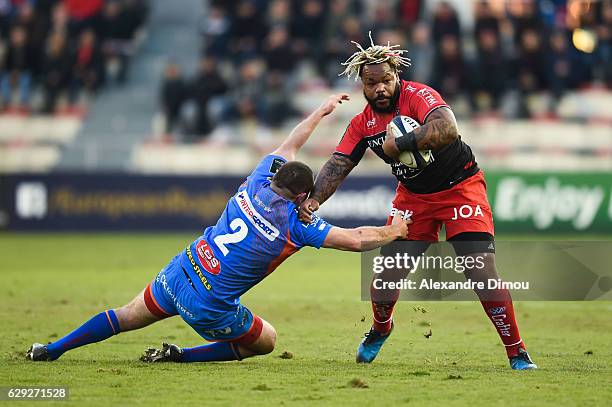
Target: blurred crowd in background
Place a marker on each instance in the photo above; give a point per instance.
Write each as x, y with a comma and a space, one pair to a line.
63, 51
256, 54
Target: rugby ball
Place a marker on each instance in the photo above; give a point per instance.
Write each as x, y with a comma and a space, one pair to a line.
400, 126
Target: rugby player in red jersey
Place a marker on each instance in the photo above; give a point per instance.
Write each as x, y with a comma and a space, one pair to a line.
447, 190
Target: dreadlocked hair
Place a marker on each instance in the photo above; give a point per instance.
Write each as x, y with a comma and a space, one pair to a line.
374, 54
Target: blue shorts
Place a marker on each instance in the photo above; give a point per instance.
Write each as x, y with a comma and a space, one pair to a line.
171, 293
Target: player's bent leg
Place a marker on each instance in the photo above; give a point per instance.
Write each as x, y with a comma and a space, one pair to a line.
100, 327
261, 345
497, 303
136, 314
236, 342
260, 339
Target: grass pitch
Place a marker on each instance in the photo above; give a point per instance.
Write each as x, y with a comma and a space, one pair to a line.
52, 283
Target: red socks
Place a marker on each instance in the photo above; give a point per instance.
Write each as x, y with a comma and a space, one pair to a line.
501, 314
383, 316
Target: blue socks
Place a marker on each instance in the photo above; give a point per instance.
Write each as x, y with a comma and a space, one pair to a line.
100, 327
215, 352
105, 324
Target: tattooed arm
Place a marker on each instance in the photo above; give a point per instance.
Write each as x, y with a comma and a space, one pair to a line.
439, 130
330, 177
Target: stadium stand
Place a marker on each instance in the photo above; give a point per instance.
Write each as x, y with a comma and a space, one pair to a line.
222, 78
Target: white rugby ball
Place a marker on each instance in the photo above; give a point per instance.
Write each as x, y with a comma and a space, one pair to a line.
400, 126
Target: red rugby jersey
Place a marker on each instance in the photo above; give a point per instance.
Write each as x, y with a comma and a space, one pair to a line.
451, 164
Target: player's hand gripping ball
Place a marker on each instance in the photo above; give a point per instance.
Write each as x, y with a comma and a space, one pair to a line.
401, 126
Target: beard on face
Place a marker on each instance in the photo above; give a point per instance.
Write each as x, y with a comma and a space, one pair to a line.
392, 101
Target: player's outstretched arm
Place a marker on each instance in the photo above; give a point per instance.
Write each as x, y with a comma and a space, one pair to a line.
366, 238
300, 134
439, 130
331, 175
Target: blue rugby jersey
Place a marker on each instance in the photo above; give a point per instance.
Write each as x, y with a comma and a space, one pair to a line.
257, 231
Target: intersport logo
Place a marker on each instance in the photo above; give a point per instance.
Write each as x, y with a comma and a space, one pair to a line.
260, 223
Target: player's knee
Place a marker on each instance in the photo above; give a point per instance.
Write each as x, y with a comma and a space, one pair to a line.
267, 340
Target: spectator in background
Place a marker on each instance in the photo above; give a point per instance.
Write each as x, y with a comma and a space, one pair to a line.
277, 105
408, 12
485, 20
280, 13
88, 66
449, 70
531, 68
18, 66
173, 95
489, 75
382, 18
560, 66
207, 84
6, 9
56, 70
338, 12
336, 49
117, 30
215, 31
307, 29
604, 47
245, 99
421, 54
445, 23
83, 15
59, 18
277, 51
36, 27
247, 32
525, 17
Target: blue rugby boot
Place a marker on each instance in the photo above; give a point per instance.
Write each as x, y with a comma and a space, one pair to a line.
522, 361
371, 344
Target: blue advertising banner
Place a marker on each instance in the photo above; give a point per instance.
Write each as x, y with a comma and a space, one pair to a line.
521, 203
140, 202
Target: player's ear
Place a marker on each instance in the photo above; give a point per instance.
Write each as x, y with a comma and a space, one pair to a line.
300, 198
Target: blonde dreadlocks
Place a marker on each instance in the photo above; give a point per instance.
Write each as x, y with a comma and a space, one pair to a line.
374, 54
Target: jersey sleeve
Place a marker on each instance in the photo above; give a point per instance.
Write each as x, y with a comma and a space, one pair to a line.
424, 101
309, 234
265, 170
352, 144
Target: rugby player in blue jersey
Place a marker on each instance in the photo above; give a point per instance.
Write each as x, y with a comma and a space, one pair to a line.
257, 231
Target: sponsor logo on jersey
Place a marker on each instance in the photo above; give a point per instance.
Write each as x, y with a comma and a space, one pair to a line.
207, 258
260, 223
426, 95
276, 164
219, 332
405, 214
467, 211
376, 142
410, 88
261, 204
161, 278
371, 123
197, 269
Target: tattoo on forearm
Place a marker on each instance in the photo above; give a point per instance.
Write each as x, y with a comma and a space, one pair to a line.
439, 130
331, 176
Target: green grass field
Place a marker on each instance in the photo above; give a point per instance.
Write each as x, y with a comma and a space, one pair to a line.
52, 283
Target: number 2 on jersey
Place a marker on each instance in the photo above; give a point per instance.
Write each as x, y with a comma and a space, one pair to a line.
240, 232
